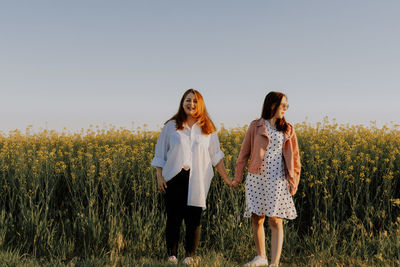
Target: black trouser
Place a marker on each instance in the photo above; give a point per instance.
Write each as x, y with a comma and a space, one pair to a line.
178, 210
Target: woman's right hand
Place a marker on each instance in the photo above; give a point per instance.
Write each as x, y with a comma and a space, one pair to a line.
162, 184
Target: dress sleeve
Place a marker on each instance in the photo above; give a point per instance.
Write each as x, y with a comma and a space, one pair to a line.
160, 155
214, 149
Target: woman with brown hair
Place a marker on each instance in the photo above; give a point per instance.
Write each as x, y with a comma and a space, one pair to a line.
186, 150
273, 175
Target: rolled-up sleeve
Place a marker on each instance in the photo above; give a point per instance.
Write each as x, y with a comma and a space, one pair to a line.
214, 149
160, 155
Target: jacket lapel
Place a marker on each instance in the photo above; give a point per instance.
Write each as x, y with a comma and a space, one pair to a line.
261, 128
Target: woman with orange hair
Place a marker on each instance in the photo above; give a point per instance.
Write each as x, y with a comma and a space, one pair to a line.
186, 150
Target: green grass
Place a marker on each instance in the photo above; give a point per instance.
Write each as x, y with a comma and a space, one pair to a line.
90, 199
209, 259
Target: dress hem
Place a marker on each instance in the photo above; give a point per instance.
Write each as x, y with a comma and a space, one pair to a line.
267, 215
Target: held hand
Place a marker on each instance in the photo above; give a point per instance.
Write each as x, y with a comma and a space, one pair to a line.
228, 181
162, 184
234, 184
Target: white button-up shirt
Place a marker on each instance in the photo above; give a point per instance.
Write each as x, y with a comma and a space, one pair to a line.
188, 148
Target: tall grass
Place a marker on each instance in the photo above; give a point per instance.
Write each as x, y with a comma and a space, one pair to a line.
92, 194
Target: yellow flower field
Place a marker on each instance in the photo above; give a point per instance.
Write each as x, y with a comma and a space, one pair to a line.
71, 195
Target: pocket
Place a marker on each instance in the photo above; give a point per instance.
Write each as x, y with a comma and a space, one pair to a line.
202, 140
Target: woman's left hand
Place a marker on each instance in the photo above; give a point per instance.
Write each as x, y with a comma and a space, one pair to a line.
221, 170
292, 188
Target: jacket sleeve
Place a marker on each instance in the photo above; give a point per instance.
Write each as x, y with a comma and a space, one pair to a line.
244, 154
296, 160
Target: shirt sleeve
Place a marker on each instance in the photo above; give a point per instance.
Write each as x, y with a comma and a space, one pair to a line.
214, 149
160, 155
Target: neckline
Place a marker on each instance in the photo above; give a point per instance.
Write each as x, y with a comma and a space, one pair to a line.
270, 126
187, 125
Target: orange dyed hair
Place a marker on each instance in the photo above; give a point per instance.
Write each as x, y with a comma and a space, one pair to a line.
201, 114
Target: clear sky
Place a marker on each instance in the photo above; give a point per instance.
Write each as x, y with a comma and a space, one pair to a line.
79, 62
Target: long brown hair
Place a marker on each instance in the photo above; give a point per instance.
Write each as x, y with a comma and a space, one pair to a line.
201, 115
272, 102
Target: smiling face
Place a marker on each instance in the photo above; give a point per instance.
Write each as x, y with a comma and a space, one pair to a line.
190, 104
280, 112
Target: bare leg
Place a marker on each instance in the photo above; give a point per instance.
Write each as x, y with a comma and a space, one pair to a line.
276, 227
259, 234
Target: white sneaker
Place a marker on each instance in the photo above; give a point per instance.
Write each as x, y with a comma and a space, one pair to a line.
172, 260
190, 260
257, 261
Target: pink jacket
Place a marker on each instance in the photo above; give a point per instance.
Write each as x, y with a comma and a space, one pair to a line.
255, 145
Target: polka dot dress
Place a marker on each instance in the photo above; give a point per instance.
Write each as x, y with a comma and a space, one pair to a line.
267, 192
